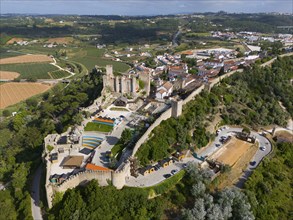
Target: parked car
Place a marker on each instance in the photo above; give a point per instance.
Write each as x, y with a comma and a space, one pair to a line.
174, 172
218, 145
252, 163
157, 167
167, 175
263, 148
184, 165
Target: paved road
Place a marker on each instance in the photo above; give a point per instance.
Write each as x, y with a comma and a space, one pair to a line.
100, 157
157, 176
35, 195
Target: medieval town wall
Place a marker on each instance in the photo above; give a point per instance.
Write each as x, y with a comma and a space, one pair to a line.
118, 177
84, 177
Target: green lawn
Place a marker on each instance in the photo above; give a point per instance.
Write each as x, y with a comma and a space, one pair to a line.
59, 74
27, 70
119, 109
91, 126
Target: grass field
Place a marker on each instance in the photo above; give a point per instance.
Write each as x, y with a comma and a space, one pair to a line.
27, 70
90, 57
91, 126
12, 93
58, 74
5, 53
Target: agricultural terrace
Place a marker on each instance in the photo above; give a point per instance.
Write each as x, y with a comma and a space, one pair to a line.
27, 70
32, 58
6, 75
90, 57
12, 93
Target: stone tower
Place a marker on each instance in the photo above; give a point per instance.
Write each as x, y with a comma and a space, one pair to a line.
176, 108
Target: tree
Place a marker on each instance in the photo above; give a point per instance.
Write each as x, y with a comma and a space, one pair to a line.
6, 113
7, 205
125, 136
246, 130
32, 102
32, 79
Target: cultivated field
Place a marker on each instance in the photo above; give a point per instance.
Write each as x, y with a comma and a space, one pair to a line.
4, 53
33, 58
60, 40
14, 39
27, 70
8, 75
58, 74
12, 93
232, 152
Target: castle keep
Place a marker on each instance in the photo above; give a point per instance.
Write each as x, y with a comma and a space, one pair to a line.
119, 84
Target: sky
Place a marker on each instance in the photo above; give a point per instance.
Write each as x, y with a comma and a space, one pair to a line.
142, 7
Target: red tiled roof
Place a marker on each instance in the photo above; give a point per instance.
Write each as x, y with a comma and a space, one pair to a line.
94, 167
167, 85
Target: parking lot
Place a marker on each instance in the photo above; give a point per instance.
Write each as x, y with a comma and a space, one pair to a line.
157, 176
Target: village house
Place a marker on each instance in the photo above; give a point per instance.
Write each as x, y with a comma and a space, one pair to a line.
165, 90
177, 71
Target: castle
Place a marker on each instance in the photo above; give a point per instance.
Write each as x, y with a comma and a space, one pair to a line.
124, 84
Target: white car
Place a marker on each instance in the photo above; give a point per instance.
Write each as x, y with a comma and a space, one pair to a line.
263, 148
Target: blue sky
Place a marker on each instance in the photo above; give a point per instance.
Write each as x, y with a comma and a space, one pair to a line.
142, 7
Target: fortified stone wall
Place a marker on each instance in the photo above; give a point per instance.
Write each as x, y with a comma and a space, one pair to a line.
49, 190
168, 113
84, 177
144, 137
193, 94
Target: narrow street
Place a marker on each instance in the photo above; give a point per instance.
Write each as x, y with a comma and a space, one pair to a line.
35, 195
